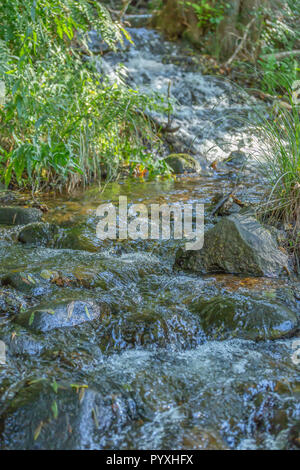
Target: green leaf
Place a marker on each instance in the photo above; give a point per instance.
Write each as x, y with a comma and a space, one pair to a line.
87, 312
54, 409
31, 319
55, 386
38, 430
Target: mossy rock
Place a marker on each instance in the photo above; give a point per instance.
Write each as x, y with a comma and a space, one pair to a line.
21, 281
238, 244
182, 163
19, 215
252, 319
56, 416
77, 238
39, 234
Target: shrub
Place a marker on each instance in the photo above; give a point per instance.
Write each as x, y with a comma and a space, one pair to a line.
281, 163
62, 123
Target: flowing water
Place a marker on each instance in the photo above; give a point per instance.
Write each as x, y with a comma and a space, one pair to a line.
105, 345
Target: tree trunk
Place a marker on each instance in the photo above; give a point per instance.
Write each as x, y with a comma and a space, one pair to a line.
227, 32
230, 30
176, 19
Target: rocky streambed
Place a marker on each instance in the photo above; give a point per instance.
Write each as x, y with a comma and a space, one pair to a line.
136, 344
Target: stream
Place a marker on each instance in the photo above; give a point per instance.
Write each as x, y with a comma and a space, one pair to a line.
105, 348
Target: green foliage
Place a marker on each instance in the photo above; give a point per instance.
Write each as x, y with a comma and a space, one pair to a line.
279, 75
62, 123
281, 33
281, 164
155, 5
208, 12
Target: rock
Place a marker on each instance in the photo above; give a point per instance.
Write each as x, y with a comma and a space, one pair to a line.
63, 314
238, 244
181, 163
224, 205
245, 318
9, 198
202, 439
78, 238
39, 234
11, 302
66, 416
21, 281
236, 158
51, 236
19, 215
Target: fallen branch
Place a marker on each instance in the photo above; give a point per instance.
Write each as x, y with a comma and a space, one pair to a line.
266, 96
124, 9
223, 201
281, 55
241, 44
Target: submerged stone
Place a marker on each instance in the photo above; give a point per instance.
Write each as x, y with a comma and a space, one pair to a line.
21, 281
58, 416
63, 314
11, 302
238, 244
78, 238
245, 318
38, 233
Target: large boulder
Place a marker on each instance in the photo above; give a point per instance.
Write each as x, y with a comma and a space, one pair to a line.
246, 318
19, 215
238, 244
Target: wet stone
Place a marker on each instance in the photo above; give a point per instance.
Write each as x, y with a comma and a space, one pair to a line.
61, 416
19, 215
182, 163
238, 244
21, 281
78, 238
38, 234
246, 318
11, 302
47, 317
